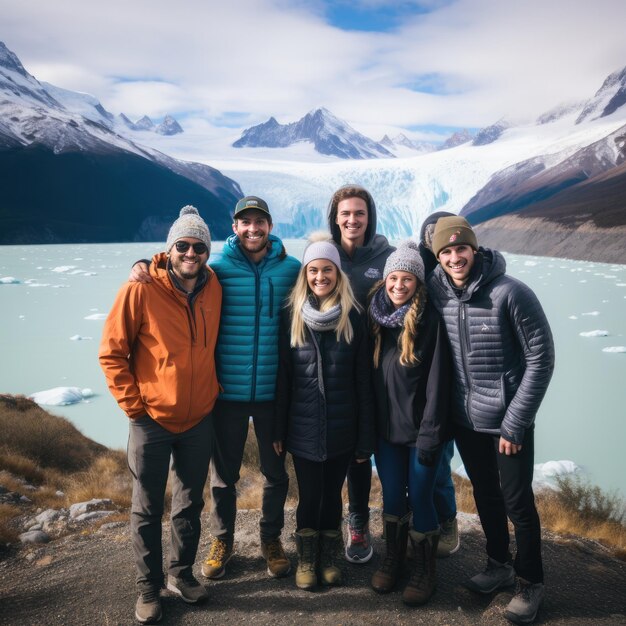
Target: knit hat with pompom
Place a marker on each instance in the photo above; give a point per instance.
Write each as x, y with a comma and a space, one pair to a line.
189, 224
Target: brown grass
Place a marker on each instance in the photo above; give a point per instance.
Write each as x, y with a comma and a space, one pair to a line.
48, 452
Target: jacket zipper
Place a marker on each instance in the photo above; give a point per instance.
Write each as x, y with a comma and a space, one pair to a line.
257, 316
271, 298
463, 341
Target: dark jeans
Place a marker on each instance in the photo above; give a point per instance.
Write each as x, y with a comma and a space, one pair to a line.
319, 492
445, 500
359, 483
230, 422
503, 487
150, 448
400, 475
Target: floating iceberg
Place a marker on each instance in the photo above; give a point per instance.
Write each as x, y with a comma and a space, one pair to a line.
595, 333
96, 316
9, 280
614, 349
80, 338
61, 396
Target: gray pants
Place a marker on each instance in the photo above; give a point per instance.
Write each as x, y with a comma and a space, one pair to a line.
150, 448
230, 421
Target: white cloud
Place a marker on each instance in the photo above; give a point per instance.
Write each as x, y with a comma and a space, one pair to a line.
486, 58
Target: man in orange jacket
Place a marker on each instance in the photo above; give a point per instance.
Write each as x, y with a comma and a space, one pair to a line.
157, 353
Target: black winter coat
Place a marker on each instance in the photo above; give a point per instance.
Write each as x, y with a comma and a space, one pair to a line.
319, 426
412, 403
501, 345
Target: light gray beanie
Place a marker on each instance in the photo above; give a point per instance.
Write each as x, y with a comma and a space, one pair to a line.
405, 259
189, 224
321, 250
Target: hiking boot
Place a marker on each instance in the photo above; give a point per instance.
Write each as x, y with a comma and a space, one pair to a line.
188, 588
214, 565
278, 564
359, 545
449, 540
331, 550
148, 607
522, 609
422, 582
396, 532
307, 545
495, 576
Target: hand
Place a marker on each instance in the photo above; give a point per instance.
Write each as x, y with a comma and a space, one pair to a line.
278, 447
139, 273
362, 460
508, 448
426, 458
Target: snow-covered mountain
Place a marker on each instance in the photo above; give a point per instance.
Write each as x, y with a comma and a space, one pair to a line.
64, 168
610, 97
401, 145
328, 134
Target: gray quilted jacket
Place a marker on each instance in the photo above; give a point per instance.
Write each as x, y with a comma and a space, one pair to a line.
502, 347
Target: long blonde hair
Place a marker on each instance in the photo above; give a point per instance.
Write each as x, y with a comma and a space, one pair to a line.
408, 335
341, 294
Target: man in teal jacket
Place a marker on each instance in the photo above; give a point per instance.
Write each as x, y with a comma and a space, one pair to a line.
256, 275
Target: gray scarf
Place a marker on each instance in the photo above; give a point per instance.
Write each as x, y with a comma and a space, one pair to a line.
384, 313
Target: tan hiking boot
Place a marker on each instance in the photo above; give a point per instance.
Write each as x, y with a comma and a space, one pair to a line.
214, 565
331, 553
307, 544
449, 541
278, 564
148, 607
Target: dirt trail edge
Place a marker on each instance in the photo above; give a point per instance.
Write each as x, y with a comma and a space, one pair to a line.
89, 579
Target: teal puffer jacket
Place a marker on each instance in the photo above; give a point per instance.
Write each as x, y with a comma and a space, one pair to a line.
252, 297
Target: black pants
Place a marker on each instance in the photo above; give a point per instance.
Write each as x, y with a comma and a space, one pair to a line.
503, 487
319, 492
151, 449
230, 421
359, 482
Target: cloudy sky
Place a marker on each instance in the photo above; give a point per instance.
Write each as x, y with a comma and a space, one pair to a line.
426, 66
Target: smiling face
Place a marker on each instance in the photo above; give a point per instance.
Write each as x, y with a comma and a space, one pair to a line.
400, 287
321, 277
352, 219
457, 262
253, 229
188, 265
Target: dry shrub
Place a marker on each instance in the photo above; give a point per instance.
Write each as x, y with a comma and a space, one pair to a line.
578, 508
464, 494
19, 465
8, 534
107, 477
48, 440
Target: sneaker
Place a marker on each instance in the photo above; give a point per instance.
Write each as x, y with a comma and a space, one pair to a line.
214, 565
359, 544
522, 609
449, 540
278, 564
148, 607
188, 588
495, 576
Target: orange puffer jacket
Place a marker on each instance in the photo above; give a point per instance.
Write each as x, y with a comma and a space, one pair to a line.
158, 355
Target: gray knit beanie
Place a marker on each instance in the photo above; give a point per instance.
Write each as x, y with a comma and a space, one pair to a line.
189, 224
321, 250
405, 259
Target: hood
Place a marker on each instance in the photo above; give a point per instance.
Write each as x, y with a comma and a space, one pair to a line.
432, 219
371, 215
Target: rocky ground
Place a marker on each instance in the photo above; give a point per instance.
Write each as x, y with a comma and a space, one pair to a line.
87, 578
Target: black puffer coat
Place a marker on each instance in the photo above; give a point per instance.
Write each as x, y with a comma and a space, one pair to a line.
413, 402
502, 347
319, 426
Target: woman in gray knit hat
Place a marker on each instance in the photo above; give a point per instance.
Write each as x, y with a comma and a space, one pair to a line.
412, 379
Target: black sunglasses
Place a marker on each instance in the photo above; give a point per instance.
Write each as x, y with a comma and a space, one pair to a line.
198, 248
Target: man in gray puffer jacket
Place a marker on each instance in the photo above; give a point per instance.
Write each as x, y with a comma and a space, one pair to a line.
503, 356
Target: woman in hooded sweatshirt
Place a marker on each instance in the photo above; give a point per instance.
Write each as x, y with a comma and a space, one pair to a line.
324, 405
412, 379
